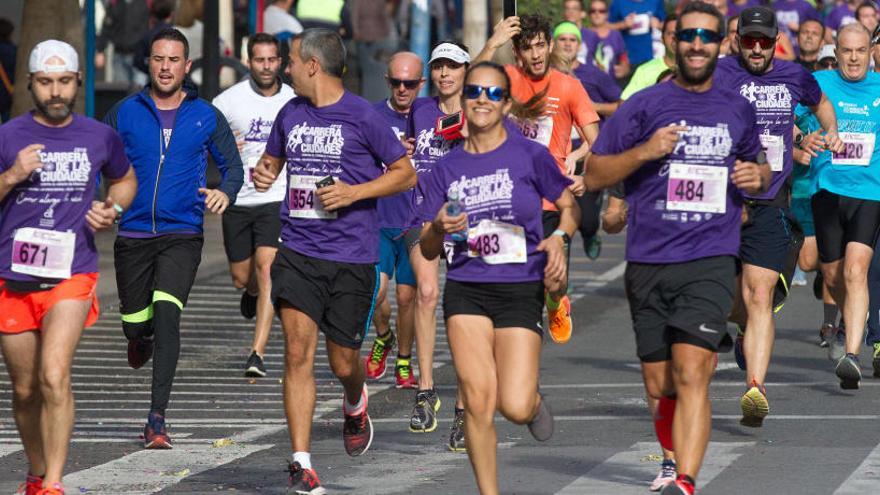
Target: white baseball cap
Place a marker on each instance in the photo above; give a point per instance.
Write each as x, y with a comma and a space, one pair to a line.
53, 56
451, 52
827, 51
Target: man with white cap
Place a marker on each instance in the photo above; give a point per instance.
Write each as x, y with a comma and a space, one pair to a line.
50, 159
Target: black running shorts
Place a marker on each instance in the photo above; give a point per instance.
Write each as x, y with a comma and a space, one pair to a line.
841, 220
680, 303
768, 238
339, 297
509, 305
245, 228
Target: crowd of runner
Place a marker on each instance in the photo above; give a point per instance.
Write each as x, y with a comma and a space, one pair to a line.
746, 148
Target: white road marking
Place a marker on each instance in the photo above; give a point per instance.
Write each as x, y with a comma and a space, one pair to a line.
866, 477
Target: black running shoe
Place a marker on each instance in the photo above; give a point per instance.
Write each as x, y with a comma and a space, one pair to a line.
304, 481
248, 305
424, 413
254, 366
456, 435
849, 372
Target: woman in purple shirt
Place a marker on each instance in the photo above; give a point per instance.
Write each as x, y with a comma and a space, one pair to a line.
496, 278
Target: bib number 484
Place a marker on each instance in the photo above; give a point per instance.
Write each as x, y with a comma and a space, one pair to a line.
689, 190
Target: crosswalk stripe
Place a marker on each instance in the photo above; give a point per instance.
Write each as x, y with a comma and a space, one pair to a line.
866, 477
8, 449
626, 473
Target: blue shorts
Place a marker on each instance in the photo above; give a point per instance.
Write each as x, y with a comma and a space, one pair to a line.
394, 256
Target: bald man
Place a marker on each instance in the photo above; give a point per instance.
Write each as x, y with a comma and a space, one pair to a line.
405, 80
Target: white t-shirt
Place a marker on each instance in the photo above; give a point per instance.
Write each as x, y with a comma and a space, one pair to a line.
276, 20
251, 116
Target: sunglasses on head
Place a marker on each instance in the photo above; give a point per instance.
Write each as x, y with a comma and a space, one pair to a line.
705, 35
494, 93
749, 42
407, 83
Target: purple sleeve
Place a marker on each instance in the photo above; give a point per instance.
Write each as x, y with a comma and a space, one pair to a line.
117, 164
275, 143
549, 180
410, 130
431, 189
610, 91
623, 130
6, 160
810, 13
749, 145
381, 139
812, 93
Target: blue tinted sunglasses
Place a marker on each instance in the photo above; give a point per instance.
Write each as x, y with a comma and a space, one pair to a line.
706, 35
494, 93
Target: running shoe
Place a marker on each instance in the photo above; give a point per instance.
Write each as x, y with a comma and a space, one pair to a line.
876, 361
593, 247
375, 362
254, 366
837, 344
560, 321
681, 486
849, 372
825, 334
541, 426
456, 435
31, 486
55, 489
304, 481
357, 431
799, 279
755, 406
140, 350
403, 374
738, 351
667, 475
248, 305
155, 436
424, 413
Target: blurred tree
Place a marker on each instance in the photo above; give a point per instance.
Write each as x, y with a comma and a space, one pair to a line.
42, 20
549, 8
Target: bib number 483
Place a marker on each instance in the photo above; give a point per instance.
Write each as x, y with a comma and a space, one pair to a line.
487, 244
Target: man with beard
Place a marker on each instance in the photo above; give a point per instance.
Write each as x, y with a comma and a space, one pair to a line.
809, 39
687, 150
251, 226
50, 159
168, 133
846, 205
562, 104
771, 238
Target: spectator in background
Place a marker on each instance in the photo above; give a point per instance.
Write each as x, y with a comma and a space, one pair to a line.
7, 67
375, 42
277, 19
160, 18
841, 15
123, 26
810, 41
635, 19
573, 11
610, 55
791, 13
734, 7
867, 14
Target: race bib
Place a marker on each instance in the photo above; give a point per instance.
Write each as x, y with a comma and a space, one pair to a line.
249, 169
497, 242
774, 147
302, 200
538, 130
641, 24
858, 148
698, 188
43, 253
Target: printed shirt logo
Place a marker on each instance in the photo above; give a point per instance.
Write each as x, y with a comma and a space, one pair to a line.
767, 98
64, 167
258, 130
485, 191
856, 109
430, 144
315, 140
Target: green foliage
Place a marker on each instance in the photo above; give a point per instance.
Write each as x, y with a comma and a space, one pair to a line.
549, 8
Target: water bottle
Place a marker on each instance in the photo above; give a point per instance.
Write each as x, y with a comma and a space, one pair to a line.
453, 209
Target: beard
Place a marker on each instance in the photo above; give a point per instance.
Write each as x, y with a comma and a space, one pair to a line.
756, 70
695, 76
258, 81
54, 115
154, 85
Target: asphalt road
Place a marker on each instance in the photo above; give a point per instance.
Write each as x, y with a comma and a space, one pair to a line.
230, 435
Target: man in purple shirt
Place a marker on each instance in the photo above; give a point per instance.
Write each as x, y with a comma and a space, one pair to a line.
686, 150
50, 160
325, 275
771, 237
790, 14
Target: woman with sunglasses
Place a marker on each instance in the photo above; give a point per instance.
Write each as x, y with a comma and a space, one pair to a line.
495, 283
610, 53
448, 64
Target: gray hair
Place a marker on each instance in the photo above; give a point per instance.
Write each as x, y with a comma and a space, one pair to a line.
326, 47
855, 27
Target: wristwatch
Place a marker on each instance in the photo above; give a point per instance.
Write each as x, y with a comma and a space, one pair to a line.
798, 139
565, 237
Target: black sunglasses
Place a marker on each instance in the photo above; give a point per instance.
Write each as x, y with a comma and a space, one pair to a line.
705, 35
407, 83
494, 93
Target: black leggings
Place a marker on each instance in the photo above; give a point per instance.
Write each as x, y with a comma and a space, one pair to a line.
591, 207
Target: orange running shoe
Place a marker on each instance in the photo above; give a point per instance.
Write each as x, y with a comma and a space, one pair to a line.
560, 321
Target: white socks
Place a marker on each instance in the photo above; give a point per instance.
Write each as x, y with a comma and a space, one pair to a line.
304, 459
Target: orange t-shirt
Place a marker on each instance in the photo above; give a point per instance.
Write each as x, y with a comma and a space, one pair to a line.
567, 103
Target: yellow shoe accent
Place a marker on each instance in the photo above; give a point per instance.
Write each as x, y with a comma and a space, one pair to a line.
755, 407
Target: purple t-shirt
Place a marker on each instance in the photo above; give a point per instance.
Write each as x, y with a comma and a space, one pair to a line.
166, 117
774, 96
504, 186
609, 50
682, 207
589, 43
734, 10
840, 16
793, 11
57, 196
429, 147
395, 212
349, 141
600, 86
